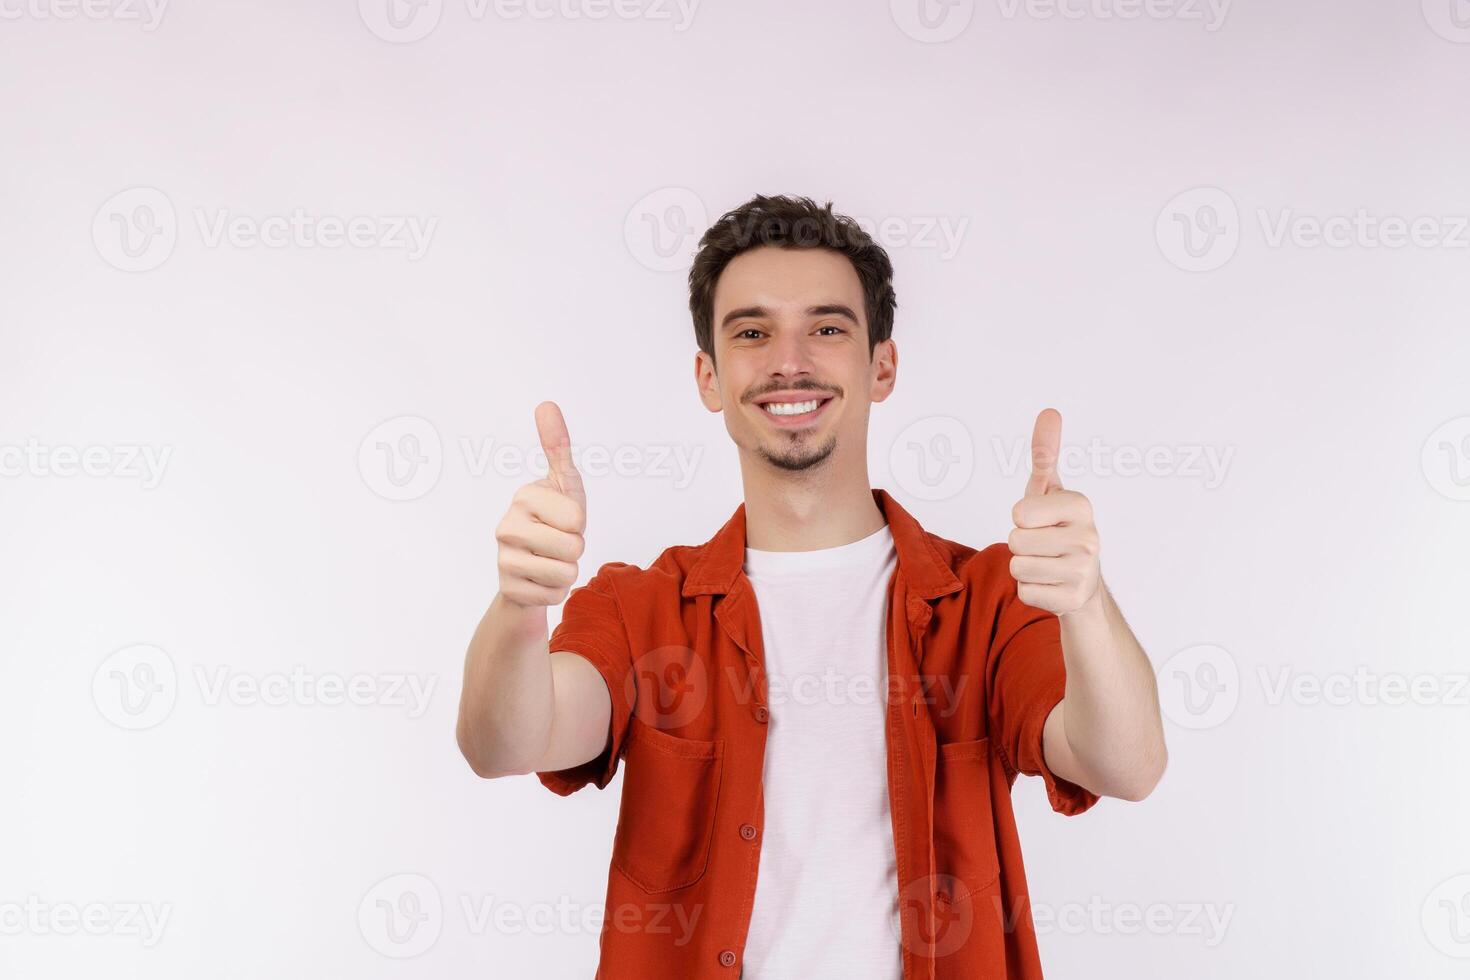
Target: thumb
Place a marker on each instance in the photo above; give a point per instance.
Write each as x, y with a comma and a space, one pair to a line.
1046, 446
557, 444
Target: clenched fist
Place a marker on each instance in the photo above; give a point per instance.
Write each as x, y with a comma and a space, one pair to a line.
1054, 546
540, 537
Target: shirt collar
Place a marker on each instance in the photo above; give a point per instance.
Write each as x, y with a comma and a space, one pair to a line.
722, 557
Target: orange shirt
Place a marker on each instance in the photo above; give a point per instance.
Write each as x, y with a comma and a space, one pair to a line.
972, 674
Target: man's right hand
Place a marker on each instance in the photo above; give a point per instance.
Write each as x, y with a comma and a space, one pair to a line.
541, 536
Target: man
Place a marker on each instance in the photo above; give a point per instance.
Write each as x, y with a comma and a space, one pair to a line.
823, 708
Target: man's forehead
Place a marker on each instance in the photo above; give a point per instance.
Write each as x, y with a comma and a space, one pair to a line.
783, 279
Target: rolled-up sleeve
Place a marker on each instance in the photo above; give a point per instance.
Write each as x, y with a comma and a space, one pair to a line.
1027, 678
592, 627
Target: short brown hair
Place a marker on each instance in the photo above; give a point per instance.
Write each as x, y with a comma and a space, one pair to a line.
789, 222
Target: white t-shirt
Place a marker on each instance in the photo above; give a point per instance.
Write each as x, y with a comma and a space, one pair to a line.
826, 895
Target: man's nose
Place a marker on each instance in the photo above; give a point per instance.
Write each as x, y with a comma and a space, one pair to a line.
791, 356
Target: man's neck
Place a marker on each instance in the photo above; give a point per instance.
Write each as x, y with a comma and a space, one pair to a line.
804, 512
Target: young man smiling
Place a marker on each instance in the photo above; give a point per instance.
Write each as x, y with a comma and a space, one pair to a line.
822, 709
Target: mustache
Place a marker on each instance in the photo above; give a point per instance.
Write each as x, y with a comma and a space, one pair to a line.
754, 393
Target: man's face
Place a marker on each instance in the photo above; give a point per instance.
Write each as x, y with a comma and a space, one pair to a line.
792, 373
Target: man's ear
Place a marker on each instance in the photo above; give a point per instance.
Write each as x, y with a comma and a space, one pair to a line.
708, 381
885, 370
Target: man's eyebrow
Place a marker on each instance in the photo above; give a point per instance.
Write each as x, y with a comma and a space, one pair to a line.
758, 312
832, 309
744, 313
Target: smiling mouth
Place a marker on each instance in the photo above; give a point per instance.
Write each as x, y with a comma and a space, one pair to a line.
791, 408
785, 412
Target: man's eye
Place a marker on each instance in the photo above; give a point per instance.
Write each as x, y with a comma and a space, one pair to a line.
748, 330
830, 327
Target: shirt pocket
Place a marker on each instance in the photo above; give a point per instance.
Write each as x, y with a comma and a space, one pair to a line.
964, 826
671, 786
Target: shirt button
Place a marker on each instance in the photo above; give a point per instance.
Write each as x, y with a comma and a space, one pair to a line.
747, 830
761, 714
727, 957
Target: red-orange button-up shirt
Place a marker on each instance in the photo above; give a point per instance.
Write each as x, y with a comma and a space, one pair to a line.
972, 673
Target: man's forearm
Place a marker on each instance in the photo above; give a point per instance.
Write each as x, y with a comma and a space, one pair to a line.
506, 706
1110, 715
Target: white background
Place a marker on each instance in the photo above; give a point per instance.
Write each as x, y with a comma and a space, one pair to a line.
1069, 155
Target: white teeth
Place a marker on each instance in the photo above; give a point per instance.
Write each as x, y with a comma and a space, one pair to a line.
792, 408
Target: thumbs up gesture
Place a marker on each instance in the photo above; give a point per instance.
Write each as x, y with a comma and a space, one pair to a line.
1054, 546
541, 536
